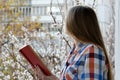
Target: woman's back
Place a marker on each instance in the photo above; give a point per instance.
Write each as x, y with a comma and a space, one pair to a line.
86, 62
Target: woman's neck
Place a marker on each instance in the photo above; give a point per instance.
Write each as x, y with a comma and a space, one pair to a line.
78, 44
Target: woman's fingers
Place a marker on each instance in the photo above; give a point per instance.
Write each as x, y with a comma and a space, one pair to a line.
39, 70
39, 74
52, 77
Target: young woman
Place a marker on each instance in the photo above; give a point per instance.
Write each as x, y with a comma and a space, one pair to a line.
88, 59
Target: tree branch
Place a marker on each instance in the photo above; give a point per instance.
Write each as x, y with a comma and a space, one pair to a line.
60, 31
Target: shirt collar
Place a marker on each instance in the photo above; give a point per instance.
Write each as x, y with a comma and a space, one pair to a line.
79, 45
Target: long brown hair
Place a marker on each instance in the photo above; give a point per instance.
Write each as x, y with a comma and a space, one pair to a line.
82, 23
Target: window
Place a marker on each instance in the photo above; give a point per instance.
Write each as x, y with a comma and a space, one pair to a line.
29, 11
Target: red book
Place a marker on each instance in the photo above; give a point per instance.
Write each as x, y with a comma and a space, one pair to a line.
34, 59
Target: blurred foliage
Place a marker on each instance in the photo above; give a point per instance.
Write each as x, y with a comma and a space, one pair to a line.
12, 24
16, 31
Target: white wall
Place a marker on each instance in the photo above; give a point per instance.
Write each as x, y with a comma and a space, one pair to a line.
45, 1
104, 14
117, 41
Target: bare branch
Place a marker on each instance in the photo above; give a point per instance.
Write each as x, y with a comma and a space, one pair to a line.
93, 5
60, 31
60, 8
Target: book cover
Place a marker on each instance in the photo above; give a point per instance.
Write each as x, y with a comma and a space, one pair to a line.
34, 59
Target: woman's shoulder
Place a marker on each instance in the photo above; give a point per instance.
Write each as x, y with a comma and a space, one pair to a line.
94, 50
89, 48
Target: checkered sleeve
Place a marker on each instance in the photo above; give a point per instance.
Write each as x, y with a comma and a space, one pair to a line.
94, 64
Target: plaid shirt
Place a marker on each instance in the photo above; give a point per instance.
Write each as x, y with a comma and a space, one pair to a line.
85, 62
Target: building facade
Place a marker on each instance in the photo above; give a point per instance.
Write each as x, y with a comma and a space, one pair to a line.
117, 39
40, 10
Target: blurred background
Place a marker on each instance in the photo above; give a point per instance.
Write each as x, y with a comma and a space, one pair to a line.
40, 23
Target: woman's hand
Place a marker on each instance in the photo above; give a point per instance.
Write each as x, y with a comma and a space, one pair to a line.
39, 75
